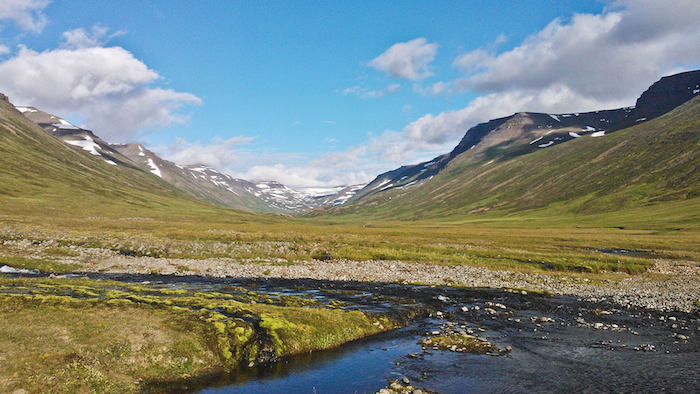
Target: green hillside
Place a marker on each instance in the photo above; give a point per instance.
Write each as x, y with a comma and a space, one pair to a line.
40, 176
652, 169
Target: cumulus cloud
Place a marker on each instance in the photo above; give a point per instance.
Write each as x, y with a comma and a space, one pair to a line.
81, 38
365, 93
107, 86
351, 166
611, 56
220, 153
348, 167
435, 89
407, 60
26, 14
589, 62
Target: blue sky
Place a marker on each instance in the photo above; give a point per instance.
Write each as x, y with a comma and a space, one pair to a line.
325, 93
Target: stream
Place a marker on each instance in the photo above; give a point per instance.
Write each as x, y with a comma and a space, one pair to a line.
547, 343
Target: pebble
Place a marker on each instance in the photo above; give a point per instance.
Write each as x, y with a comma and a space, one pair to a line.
675, 292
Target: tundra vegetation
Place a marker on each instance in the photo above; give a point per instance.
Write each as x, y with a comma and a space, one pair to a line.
64, 334
77, 334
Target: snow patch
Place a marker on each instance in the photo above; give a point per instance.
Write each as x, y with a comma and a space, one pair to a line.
640, 119
554, 117
535, 140
154, 168
110, 162
63, 124
571, 133
589, 128
26, 109
383, 183
141, 151
548, 144
88, 144
598, 134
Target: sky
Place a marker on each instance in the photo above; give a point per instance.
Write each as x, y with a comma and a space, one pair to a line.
327, 93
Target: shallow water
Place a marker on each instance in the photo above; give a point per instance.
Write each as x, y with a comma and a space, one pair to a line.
584, 347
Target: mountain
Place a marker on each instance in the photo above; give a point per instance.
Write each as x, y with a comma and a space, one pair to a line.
198, 181
42, 175
74, 135
304, 199
526, 132
531, 161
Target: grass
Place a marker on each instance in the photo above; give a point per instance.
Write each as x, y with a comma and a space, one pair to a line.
59, 204
69, 334
631, 171
517, 245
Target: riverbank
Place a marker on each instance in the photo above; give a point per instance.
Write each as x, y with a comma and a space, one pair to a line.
668, 286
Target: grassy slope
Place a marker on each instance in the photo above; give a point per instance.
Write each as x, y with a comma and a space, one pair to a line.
41, 176
650, 169
69, 335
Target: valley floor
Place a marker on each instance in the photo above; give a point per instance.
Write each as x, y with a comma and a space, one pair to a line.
668, 286
652, 270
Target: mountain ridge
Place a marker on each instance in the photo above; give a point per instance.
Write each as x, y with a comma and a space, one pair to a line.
544, 130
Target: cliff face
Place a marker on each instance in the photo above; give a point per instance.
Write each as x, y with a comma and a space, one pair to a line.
668, 93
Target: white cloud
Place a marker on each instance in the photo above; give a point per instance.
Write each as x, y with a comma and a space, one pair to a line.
588, 63
611, 56
26, 14
446, 128
351, 166
365, 93
332, 169
408, 60
80, 38
107, 86
4, 50
219, 154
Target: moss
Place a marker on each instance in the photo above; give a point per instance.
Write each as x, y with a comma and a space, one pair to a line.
237, 332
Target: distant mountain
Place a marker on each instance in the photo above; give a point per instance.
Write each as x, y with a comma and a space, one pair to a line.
47, 174
583, 162
303, 199
73, 135
526, 132
198, 181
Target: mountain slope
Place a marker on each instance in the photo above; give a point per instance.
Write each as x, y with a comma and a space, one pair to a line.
200, 182
40, 173
525, 132
642, 166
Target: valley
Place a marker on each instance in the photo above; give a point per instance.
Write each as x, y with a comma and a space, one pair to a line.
544, 251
